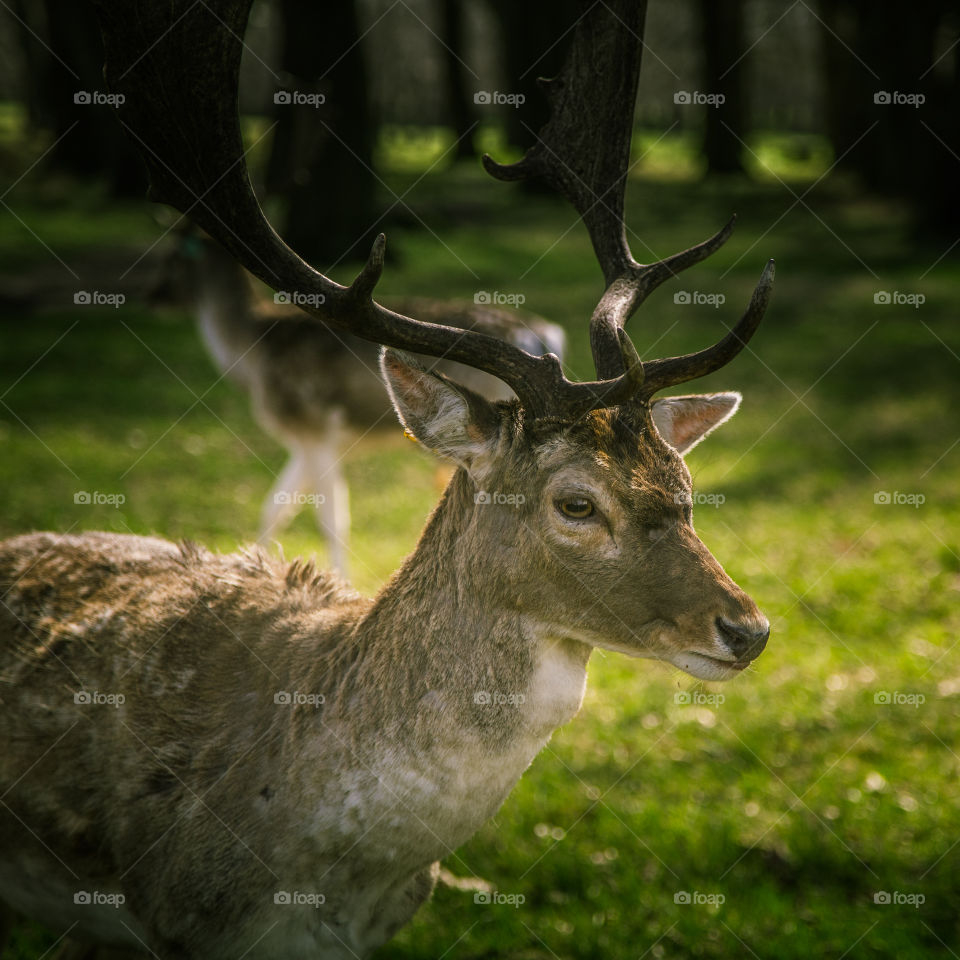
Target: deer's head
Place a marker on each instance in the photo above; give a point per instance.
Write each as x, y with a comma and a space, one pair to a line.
591, 518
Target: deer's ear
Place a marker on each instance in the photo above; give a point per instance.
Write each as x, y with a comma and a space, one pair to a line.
684, 421
446, 418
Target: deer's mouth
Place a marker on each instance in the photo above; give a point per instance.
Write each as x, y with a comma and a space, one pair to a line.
705, 667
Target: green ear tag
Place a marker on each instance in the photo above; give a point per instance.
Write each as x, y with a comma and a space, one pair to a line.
192, 247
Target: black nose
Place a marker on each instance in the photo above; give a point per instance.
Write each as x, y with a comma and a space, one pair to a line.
745, 640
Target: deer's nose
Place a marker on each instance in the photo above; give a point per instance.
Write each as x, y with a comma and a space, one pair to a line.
745, 639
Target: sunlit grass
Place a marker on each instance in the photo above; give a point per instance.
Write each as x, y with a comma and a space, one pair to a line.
787, 156
797, 796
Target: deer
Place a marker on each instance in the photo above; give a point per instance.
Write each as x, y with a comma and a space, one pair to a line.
230, 755
311, 385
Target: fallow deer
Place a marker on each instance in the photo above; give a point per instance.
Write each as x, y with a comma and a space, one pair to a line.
311, 385
214, 756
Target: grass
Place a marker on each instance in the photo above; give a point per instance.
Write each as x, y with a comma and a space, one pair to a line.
795, 793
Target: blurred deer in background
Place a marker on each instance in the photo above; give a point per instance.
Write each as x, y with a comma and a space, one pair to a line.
310, 384
216, 757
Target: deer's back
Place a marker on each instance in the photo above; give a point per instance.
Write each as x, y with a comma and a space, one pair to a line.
300, 370
77, 602
136, 694
303, 370
102, 619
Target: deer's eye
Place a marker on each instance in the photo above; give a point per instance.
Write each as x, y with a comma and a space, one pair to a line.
576, 508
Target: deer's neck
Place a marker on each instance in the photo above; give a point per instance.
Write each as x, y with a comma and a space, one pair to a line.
453, 625
457, 686
223, 305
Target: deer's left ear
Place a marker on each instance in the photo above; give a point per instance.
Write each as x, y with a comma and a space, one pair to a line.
448, 419
684, 421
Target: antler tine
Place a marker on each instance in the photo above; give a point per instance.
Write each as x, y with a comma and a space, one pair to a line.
626, 292
673, 370
583, 152
177, 65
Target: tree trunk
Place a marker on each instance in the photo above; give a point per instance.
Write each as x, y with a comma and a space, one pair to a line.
936, 186
33, 55
534, 35
459, 98
847, 82
721, 23
906, 149
322, 157
89, 141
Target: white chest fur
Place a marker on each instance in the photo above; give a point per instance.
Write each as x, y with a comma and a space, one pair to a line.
556, 688
434, 799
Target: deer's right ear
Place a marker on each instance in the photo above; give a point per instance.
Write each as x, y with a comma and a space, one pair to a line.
446, 418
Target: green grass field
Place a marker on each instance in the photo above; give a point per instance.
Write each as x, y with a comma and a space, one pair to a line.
780, 804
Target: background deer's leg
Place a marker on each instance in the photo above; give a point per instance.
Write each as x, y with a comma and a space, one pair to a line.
332, 508
281, 505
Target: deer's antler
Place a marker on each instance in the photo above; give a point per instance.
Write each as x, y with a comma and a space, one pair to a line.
176, 64
583, 152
